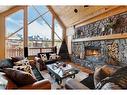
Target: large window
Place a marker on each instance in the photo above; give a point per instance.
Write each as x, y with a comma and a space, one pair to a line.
58, 35
14, 34
40, 35
39, 29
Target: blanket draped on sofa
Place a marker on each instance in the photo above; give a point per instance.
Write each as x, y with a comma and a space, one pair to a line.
118, 78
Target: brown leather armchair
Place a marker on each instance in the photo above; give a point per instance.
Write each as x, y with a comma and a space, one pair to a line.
41, 84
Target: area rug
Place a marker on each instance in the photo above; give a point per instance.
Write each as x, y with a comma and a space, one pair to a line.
89, 82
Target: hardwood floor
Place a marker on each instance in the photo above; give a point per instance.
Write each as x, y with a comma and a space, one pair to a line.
80, 76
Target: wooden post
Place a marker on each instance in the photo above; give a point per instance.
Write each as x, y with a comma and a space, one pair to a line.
53, 31
25, 32
2, 37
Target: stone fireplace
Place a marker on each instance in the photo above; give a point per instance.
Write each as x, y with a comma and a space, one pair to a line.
107, 51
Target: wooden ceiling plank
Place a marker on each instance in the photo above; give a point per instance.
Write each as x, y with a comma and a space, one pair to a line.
114, 11
56, 16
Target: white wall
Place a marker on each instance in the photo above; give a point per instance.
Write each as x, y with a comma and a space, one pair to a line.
69, 33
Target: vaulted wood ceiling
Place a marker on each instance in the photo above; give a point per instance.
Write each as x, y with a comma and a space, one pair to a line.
4, 8
69, 17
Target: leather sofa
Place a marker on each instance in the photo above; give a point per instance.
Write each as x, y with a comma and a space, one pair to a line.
39, 84
106, 77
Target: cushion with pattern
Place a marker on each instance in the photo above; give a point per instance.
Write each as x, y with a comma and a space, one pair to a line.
20, 78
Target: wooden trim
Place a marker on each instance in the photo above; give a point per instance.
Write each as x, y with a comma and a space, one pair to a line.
107, 37
12, 10
111, 12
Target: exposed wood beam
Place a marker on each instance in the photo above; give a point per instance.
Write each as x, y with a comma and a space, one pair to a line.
12, 10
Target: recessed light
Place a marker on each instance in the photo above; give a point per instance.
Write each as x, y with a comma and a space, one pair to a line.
75, 10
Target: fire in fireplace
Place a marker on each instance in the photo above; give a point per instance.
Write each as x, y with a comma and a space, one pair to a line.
92, 51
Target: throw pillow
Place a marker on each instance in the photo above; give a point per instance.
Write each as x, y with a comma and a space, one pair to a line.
15, 59
98, 76
6, 63
43, 57
20, 78
26, 68
119, 78
19, 63
109, 70
53, 56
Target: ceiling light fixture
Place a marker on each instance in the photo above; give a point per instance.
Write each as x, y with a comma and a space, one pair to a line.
75, 10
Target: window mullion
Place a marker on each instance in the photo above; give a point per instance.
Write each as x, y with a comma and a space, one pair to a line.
42, 17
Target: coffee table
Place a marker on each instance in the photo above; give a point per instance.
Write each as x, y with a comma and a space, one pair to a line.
60, 73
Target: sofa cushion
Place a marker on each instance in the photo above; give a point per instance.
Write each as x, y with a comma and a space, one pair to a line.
20, 78
43, 57
110, 86
6, 63
19, 63
98, 75
15, 59
53, 56
26, 68
118, 78
47, 54
108, 70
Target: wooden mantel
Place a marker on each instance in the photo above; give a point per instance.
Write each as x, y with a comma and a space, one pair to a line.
106, 37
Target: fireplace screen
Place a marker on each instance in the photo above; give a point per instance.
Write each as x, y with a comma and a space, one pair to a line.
92, 51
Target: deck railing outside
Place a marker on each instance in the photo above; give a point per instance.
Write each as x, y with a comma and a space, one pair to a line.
12, 52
